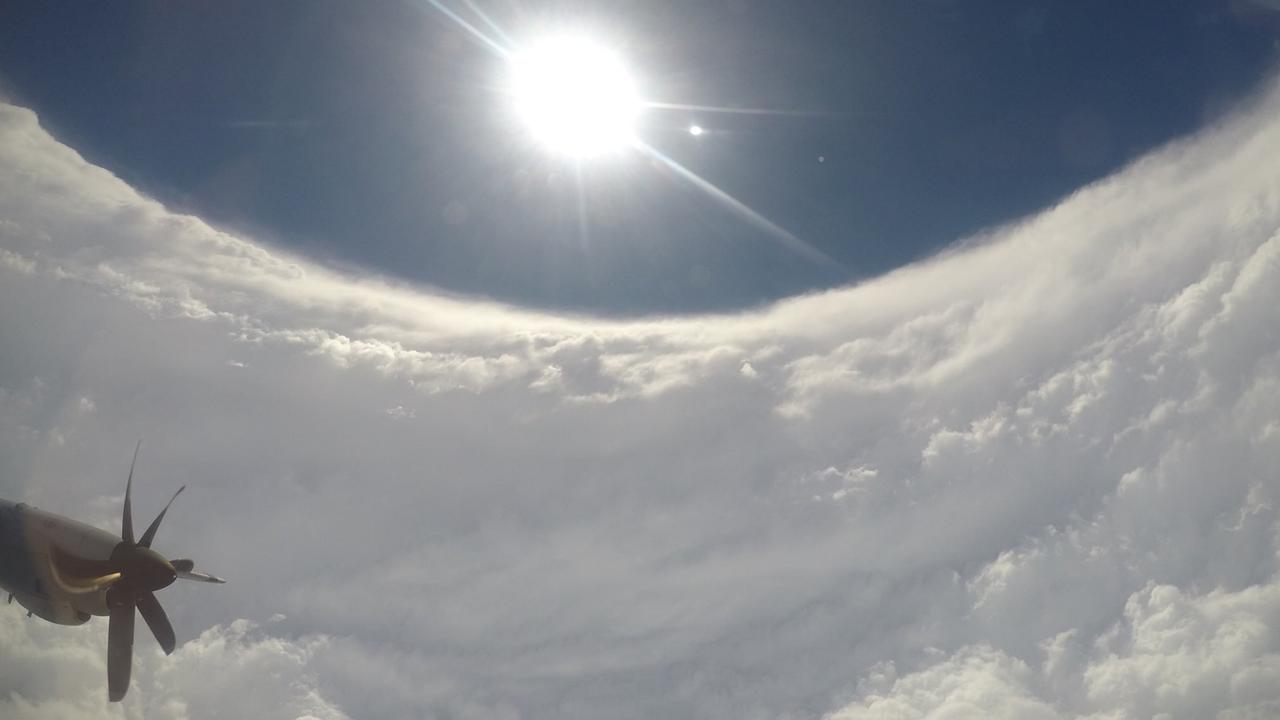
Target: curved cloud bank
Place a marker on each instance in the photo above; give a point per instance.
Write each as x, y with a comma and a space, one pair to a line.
1035, 477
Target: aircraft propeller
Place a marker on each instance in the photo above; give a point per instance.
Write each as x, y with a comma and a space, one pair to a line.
141, 571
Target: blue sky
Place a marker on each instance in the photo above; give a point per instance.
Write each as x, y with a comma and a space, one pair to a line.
372, 135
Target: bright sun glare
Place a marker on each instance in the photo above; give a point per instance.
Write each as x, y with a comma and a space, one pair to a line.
576, 96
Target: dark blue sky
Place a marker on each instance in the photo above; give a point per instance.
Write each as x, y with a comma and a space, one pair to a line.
372, 133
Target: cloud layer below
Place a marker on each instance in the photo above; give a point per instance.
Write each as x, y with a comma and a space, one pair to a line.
1032, 478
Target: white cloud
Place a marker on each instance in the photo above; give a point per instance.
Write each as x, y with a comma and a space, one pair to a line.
228, 671
1172, 655
976, 683
1031, 477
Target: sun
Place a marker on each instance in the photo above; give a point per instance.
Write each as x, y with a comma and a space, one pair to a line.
575, 95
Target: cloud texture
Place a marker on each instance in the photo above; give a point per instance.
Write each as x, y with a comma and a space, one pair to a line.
1032, 478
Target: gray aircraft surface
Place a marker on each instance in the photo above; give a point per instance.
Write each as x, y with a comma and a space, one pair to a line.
65, 571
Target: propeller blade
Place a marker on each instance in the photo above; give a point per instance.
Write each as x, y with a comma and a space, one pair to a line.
126, 525
119, 651
198, 576
201, 577
157, 621
150, 534
186, 570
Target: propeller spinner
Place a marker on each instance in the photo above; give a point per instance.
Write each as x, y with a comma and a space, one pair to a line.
140, 572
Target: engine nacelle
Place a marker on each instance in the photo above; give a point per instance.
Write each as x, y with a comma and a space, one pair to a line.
55, 612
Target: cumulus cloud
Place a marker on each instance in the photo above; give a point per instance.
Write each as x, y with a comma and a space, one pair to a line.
1033, 477
1172, 655
227, 671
